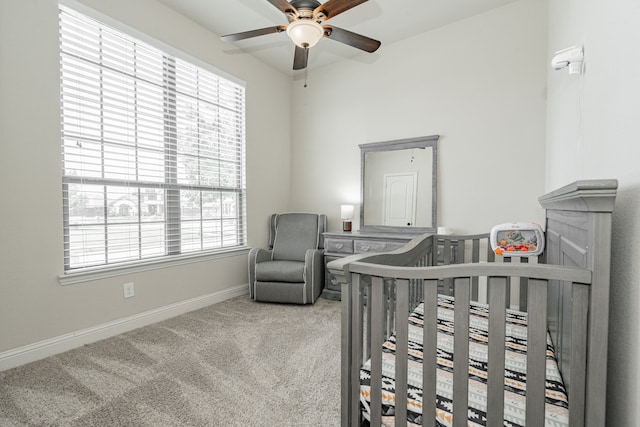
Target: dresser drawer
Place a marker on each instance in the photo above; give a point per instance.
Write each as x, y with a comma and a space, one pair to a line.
341, 246
361, 246
330, 281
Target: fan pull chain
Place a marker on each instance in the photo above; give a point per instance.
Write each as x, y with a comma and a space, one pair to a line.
306, 59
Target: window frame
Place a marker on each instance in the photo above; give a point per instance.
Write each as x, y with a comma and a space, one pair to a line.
170, 257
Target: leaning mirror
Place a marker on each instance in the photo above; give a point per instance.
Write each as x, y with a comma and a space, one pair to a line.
399, 185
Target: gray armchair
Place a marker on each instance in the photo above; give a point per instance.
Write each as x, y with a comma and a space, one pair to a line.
292, 269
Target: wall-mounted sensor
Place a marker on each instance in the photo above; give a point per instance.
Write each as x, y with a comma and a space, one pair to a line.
570, 57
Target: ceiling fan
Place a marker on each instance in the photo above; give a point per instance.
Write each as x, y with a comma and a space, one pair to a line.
306, 27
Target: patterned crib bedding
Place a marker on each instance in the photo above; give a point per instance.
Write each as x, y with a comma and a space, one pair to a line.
556, 403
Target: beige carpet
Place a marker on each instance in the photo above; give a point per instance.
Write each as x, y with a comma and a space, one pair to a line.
234, 363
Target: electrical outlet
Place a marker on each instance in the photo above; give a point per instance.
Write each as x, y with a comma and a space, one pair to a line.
128, 290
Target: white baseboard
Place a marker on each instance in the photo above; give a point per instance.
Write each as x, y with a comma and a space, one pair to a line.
42, 349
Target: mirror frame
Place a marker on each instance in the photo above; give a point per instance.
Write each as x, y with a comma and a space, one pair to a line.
401, 144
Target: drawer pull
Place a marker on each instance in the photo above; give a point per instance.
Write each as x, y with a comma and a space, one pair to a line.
339, 245
366, 248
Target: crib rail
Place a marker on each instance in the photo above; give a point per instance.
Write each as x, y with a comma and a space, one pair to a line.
381, 281
427, 250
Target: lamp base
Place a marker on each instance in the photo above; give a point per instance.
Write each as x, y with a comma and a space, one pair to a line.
346, 225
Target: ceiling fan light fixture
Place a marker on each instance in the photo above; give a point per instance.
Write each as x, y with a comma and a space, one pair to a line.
305, 32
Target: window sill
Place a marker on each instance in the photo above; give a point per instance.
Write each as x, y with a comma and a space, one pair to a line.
88, 275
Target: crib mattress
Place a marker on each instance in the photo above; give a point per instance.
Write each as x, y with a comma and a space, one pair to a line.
556, 404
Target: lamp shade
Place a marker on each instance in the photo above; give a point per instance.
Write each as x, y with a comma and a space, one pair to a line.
346, 211
305, 32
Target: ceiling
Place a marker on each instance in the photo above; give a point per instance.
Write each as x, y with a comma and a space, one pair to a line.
386, 20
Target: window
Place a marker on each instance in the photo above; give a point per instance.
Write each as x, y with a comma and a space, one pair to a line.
153, 150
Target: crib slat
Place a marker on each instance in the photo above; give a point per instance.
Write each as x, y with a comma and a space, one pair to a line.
434, 259
578, 365
508, 301
364, 337
536, 352
402, 338
475, 250
461, 352
412, 295
389, 305
460, 253
491, 256
446, 251
356, 350
524, 281
377, 325
347, 338
497, 323
475, 257
429, 352
446, 260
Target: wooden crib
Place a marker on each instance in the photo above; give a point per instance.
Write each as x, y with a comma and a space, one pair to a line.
562, 297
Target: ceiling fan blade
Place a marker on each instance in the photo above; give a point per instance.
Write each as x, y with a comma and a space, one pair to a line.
253, 33
300, 58
284, 7
335, 7
352, 39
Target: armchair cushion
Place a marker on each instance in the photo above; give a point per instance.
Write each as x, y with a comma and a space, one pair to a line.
295, 233
280, 271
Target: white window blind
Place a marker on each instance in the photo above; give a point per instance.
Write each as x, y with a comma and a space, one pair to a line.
153, 150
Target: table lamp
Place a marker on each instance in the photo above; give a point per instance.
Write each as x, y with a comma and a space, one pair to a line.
346, 213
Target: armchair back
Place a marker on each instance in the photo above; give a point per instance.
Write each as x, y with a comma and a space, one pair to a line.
294, 233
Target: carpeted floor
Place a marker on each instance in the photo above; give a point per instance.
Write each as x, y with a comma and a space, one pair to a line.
236, 363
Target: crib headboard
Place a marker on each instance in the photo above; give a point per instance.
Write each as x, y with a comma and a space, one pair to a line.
578, 233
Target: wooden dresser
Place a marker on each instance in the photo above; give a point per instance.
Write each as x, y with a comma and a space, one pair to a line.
342, 244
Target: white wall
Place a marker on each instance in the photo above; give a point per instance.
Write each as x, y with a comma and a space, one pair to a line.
593, 128
479, 83
33, 306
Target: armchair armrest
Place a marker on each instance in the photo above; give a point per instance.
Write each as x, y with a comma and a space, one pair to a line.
256, 255
259, 255
314, 272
